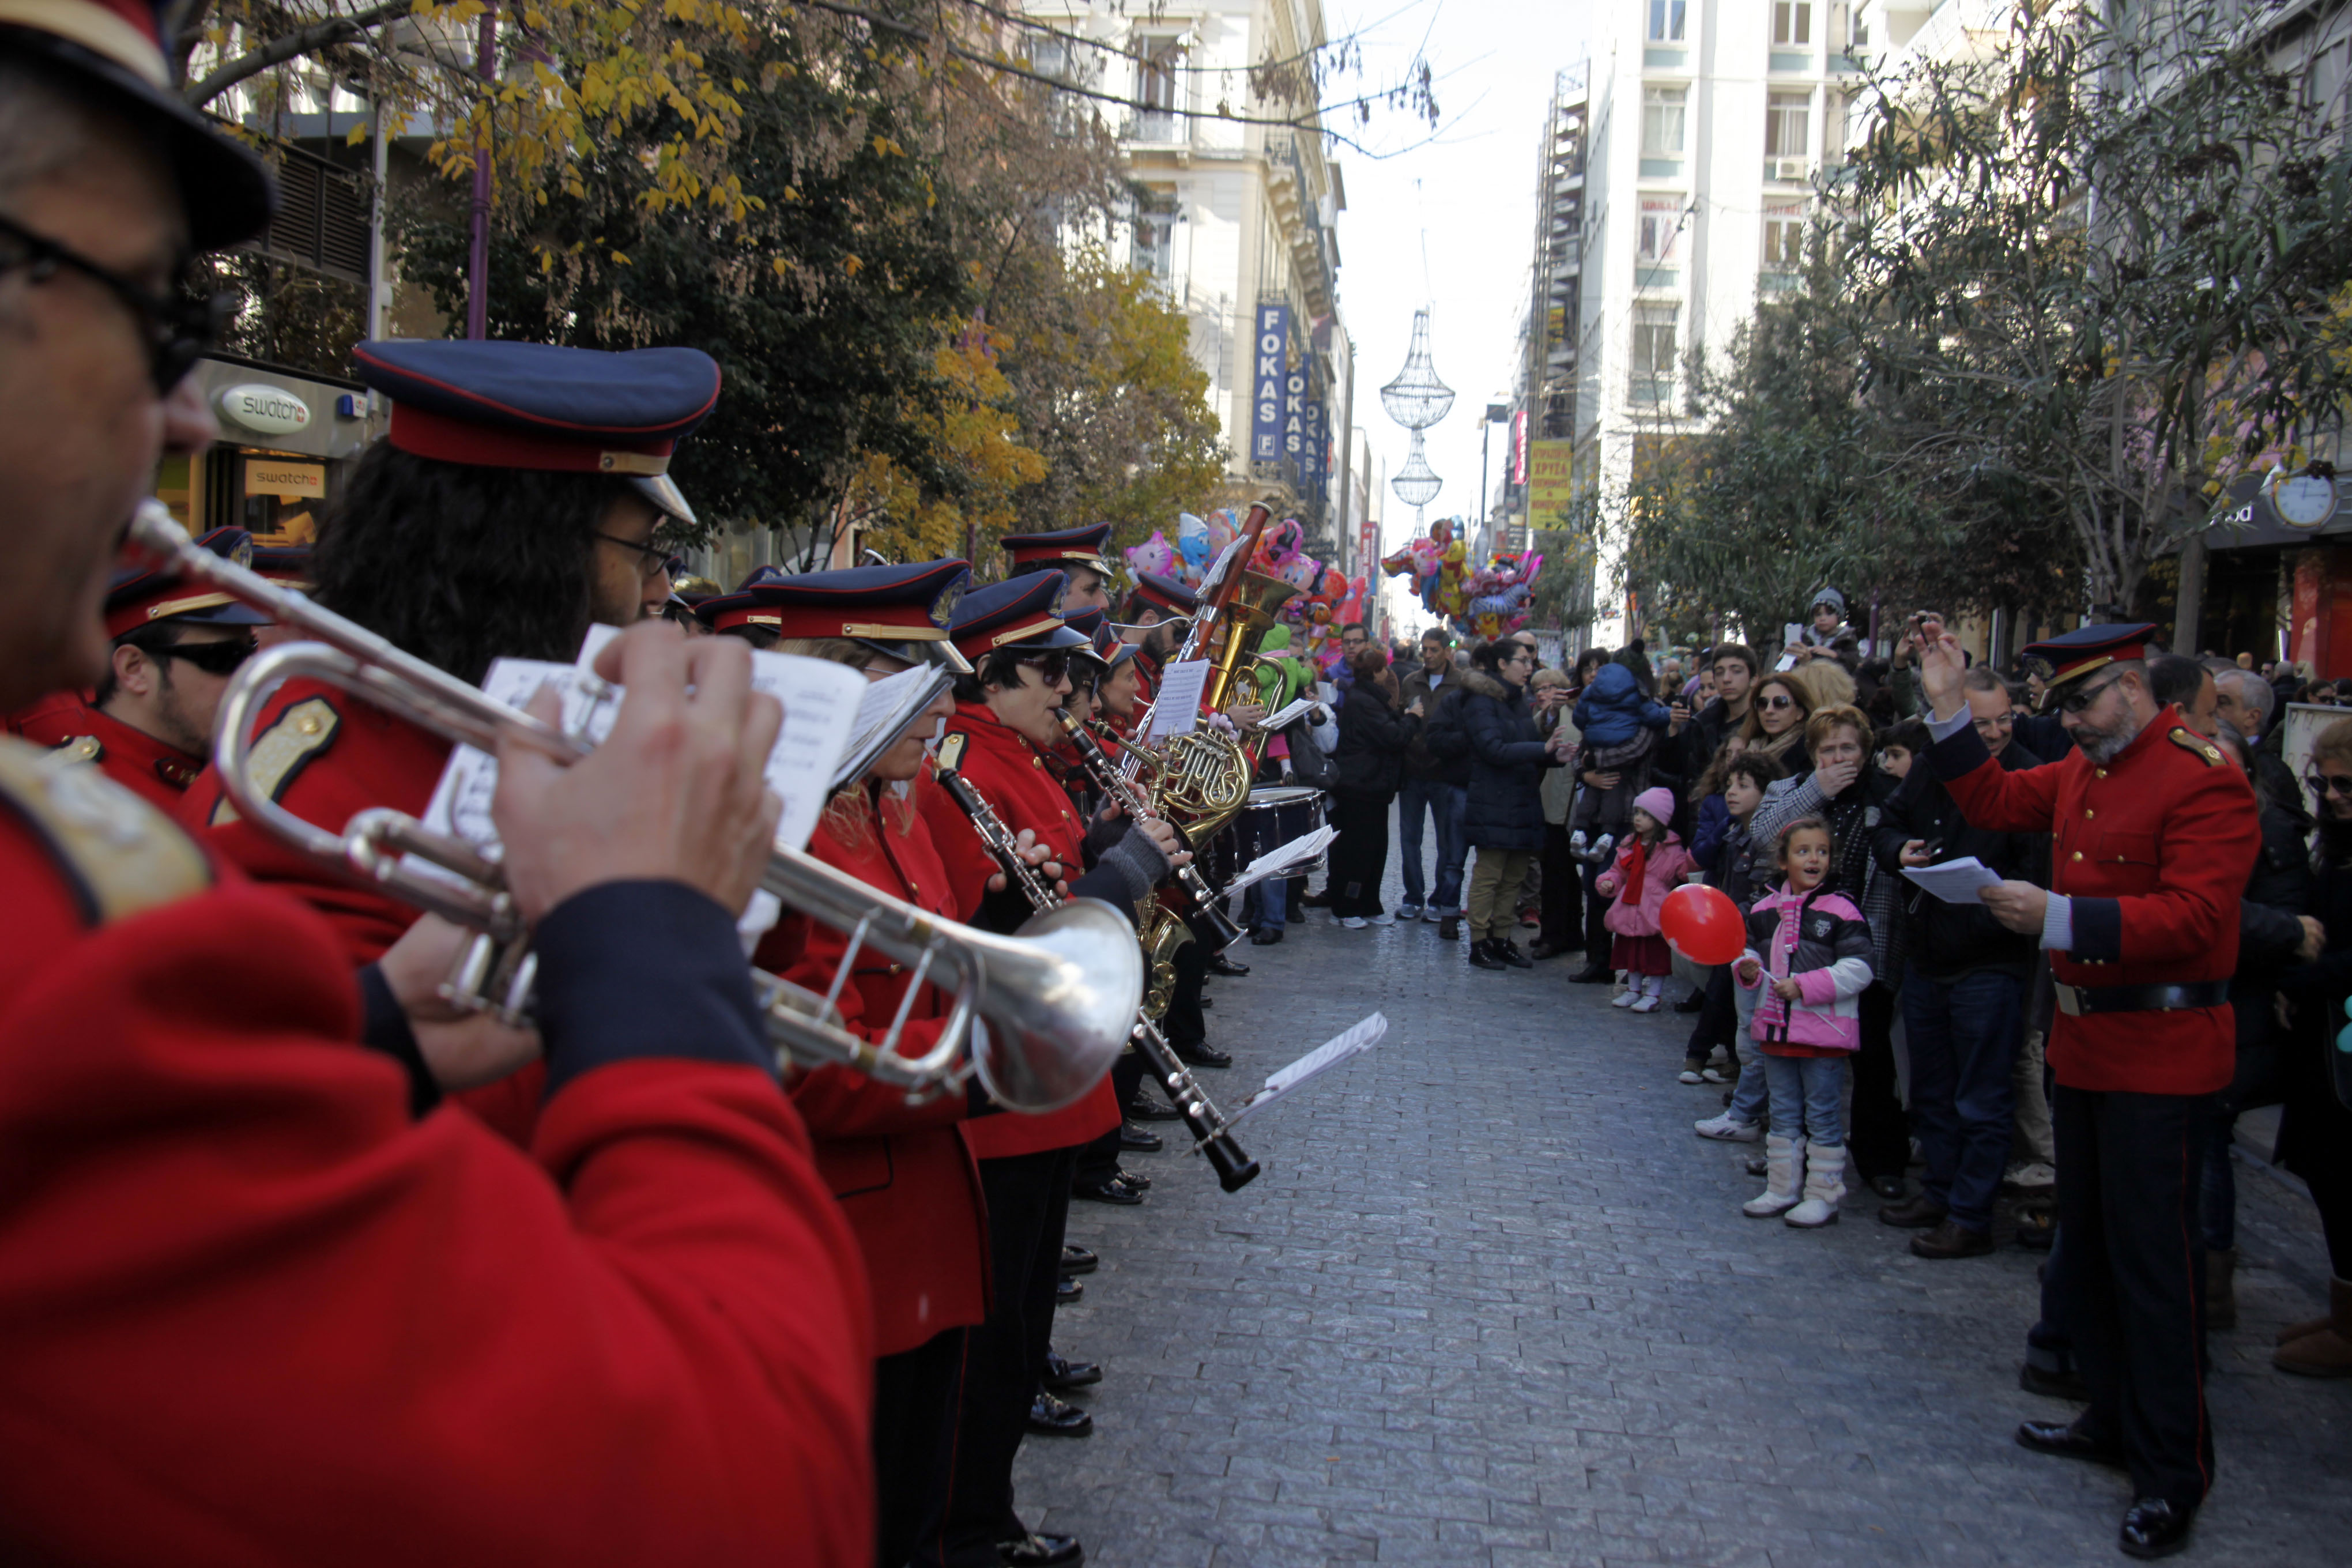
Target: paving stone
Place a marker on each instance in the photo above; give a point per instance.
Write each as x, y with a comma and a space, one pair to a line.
1492, 1304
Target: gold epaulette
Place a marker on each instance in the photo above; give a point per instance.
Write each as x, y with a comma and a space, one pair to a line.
122, 855
279, 752
2190, 740
79, 749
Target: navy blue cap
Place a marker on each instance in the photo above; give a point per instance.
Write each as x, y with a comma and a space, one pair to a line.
900, 611
285, 563
1063, 547
2061, 661
1016, 614
537, 405
1170, 598
141, 596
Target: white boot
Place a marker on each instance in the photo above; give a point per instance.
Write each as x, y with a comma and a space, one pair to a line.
1653, 991
1824, 1186
1784, 1162
1576, 844
1600, 847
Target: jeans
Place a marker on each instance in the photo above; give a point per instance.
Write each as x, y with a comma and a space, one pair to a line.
1449, 807
1964, 1036
1818, 1085
1751, 1096
1265, 904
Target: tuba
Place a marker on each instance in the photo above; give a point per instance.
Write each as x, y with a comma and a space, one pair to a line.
1058, 999
1203, 777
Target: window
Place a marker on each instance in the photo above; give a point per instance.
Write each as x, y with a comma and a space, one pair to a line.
1666, 21
1653, 353
1154, 252
1792, 22
1662, 121
1784, 236
1155, 91
1788, 124
2325, 82
1662, 227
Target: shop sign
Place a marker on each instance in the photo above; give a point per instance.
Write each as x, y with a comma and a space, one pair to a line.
271, 410
265, 477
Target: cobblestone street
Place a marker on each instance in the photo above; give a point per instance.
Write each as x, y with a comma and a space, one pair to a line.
1493, 1303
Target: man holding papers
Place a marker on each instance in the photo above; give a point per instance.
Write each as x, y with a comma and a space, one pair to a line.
2153, 838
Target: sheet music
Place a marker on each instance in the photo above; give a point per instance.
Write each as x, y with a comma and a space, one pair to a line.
1289, 713
1218, 568
1340, 1048
1955, 882
884, 713
1176, 710
1282, 858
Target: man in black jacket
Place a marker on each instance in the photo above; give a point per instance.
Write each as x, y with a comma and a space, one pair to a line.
1963, 997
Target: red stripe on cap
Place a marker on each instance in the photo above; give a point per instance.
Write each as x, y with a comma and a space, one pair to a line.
428, 435
140, 16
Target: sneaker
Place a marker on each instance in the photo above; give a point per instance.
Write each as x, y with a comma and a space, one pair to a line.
1576, 843
1625, 998
2029, 1176
1433, 913
1602, 847
1716, 1075
1727, 1128
1508, 952
1648, 1004
1693, 1069
1352, 922
1408, 912
1383, 919
1482, 955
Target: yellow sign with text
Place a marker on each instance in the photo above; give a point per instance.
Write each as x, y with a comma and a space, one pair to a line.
1552, 481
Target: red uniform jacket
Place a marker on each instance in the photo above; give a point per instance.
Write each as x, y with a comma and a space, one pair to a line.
152, 770
257, 1315
902, 1175
326, 756
1008, 774
2154, 848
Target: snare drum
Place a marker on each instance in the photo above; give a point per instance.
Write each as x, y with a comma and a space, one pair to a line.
1274, 816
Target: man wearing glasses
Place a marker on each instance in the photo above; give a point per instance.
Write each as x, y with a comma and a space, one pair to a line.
2153, 838
149, 721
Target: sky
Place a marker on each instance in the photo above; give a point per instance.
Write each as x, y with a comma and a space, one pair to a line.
1463, 196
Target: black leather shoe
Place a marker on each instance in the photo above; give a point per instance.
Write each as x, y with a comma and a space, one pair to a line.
1691, 1003
1063, 1373
1449, 928
1051, 1417
1292, 912
1143, 1108
1219, 965
1484, 956
1109, 1190
1321, 901
2061, 1439
1141, 1184
1034, 1550
1068, 1292
1200, 1054
1079, 1260
1265, 936
1918, 1214
1207, 1003
1592, 974
2155, 1528
1889, 1187
1540, 951
1508, 952
1951, 1240
1136, 1139
2054, 1384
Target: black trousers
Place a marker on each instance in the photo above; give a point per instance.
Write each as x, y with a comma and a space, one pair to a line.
1028, 1207
1185, 1024
1098, 1159
1562, 892
914, 1444
1359, 855
2128, 1171
1718, 1017
1877, 1134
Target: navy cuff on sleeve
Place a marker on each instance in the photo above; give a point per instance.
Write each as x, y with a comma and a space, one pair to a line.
1957, 755
2098, 931
383, 1026
644, 969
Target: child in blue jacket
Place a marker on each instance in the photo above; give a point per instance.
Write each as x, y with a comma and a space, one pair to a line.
1619, 725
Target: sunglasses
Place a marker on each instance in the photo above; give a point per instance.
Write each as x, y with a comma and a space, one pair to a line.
1778, 699
212, 658
178, 327
2329, 783
2075, 701
1053, 664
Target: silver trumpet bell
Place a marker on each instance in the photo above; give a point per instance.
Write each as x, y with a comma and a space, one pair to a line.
1039, 1016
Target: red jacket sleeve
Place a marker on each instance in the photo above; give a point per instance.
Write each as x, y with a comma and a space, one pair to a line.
257, 1315
1992, 797
835, 1102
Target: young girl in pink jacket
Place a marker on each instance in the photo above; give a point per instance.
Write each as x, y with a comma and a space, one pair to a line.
1652, 864
1809, 955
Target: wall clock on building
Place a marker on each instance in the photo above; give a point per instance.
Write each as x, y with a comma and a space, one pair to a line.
2305, 499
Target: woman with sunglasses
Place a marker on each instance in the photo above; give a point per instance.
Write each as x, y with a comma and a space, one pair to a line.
2316, 1129
1776, 720
149, 721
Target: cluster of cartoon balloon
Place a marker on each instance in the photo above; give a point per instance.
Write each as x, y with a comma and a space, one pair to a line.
1484, 601
1327, 600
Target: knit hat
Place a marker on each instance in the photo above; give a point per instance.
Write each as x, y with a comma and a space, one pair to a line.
1658, 802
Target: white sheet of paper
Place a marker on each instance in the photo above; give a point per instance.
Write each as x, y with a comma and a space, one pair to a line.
1219, 567
884, 712
1176, 707
1955, 882
1289, 713
1282, 858
1339, 1048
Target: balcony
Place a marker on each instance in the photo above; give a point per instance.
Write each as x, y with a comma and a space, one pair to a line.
1646, 277
1156, 128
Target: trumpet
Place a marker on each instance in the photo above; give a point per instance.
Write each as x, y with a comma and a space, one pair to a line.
1055, 999
1211, 1132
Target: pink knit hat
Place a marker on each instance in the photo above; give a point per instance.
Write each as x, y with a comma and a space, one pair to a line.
1659, 802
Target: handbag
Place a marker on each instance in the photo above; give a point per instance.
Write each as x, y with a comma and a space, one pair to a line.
1310, 764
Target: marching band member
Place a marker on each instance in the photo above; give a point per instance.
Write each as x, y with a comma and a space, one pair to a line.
258, 1312
149, 721
1076, 553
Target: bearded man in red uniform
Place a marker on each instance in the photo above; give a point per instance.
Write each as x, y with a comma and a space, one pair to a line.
258, 1310
2153, 836
150, 722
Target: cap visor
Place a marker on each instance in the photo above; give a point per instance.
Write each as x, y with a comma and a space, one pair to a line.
942, 653
232, 615
667, 498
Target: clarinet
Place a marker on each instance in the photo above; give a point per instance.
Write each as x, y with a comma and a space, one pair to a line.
1211, 926
1234, 1168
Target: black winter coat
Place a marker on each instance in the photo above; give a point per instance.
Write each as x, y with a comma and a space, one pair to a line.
1950, 939
2269, 932
1507, 758
1373, 737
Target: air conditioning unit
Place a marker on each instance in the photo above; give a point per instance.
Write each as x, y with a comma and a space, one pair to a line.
1787, 169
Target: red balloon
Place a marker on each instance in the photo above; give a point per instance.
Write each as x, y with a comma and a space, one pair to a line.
1703, 924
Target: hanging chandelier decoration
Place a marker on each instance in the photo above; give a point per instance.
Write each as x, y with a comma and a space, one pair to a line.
1416, 399
1417, 484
